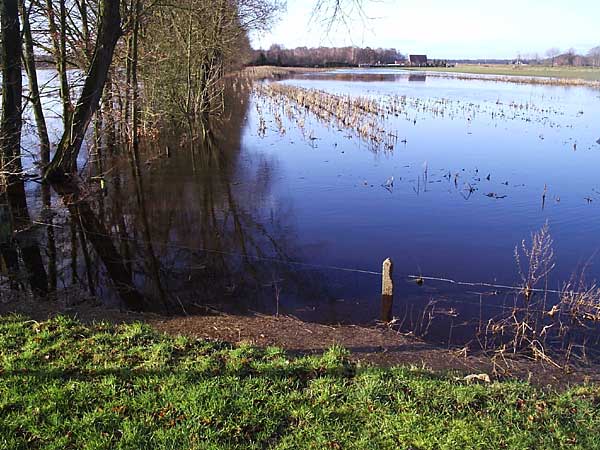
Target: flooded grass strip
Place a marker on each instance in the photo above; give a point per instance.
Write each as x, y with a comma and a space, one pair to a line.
66, 385
559, 78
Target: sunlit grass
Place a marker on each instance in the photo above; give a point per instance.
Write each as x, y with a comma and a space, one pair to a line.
65, 385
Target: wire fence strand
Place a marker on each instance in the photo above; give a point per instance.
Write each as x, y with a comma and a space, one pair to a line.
408, 276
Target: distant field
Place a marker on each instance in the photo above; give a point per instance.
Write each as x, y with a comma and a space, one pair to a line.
582, 73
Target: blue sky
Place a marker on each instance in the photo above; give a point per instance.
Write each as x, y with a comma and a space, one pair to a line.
448, 29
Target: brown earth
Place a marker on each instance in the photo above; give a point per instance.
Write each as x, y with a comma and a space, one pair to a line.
376, 345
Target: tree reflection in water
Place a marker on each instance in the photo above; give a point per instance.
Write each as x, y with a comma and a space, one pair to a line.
194, 231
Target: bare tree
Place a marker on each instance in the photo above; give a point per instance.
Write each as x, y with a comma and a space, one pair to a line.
11, 122
34, 91
182, 76
58, 36
594, 56
552, 53
571, 55
78, 122
331, 12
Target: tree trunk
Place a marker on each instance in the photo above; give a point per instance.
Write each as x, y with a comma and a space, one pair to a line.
82, 5
70, 144
135, 109
109, 113
11, 121
34, 91
59, 49
10, 144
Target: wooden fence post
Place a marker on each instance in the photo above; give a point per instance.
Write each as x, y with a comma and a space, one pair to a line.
387, 291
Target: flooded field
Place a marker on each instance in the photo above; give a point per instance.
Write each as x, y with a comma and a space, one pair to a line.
305, 185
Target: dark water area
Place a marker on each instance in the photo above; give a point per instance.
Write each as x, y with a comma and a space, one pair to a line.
280, 212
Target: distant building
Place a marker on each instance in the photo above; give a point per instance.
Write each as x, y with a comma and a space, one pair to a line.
417, 60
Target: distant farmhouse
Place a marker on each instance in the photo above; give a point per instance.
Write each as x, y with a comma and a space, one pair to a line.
412, 61
417, 60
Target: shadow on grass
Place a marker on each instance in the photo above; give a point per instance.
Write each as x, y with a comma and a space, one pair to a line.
345, 371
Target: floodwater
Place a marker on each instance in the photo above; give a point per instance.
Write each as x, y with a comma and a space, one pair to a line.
298, 219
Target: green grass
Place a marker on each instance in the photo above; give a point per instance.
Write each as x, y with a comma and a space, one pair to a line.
64, 385
579, 73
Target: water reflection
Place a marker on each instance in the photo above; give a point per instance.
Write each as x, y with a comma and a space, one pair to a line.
183, 231
417, 77
19, 244
261, 220
367, 77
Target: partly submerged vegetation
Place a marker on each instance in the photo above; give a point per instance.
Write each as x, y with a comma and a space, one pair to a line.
369, 117
359, 115
66, 385
558, 327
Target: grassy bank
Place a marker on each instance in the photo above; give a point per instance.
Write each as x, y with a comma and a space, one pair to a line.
562, 72
65, 385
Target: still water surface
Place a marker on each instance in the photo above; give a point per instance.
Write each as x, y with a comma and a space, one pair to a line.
226, 224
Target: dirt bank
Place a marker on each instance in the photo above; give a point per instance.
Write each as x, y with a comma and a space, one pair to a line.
376, 344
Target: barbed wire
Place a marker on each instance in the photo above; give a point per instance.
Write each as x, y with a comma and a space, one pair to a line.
409, 276
221, 252
485, 284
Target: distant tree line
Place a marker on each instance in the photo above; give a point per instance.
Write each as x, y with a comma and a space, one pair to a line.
276, 55
556, 57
